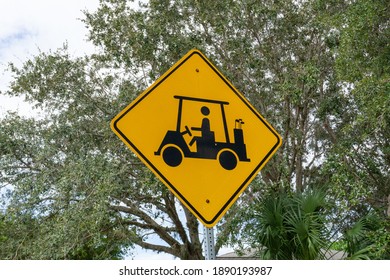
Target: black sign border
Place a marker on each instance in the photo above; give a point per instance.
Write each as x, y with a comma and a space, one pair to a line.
165, 180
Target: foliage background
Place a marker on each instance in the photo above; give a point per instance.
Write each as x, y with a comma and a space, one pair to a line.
317, 70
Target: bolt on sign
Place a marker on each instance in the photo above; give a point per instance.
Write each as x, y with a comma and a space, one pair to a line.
199, 135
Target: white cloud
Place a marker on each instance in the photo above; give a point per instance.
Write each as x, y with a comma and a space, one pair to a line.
27, 27
48, 22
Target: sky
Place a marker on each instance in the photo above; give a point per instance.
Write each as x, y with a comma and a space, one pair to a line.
28, 27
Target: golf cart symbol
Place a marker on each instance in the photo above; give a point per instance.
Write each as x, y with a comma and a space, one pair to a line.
173, 147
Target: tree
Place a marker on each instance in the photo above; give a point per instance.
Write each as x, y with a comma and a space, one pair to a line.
68, 172
289, 226
361, 184
352, 120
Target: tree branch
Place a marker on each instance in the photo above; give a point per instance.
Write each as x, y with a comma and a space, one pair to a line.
144, 226
172, 213
159, 230
157, 248
193, 227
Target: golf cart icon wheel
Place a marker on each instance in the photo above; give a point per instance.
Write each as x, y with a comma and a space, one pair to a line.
172, 155
227, 159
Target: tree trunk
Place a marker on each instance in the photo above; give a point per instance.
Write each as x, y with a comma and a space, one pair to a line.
190, 251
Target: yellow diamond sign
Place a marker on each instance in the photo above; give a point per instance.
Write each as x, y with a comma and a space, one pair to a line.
199, 135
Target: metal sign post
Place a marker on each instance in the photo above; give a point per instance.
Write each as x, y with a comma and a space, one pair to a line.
209, 244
